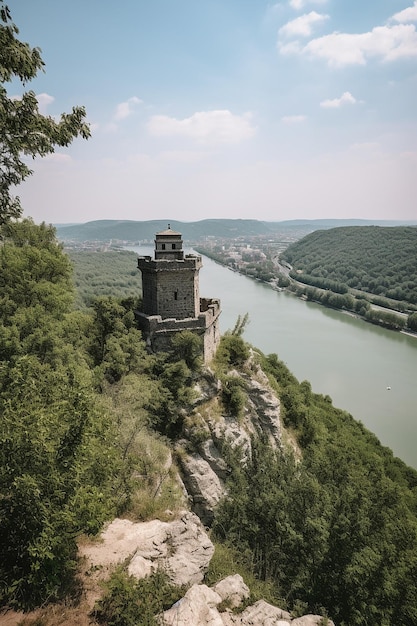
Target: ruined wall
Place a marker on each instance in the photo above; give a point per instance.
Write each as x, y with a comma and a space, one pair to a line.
158, 332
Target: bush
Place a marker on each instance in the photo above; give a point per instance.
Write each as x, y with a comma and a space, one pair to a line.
412, 321
232, 351
233, 395
131, 602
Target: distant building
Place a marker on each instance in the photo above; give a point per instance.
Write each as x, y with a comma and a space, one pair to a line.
171, 297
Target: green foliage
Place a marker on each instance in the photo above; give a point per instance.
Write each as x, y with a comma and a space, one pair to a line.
56, 448
318, 281
232, 351
188, 346
337, 529
240, 326
168, 409
228, 560
412, 321
380, 261
144, 455
111, 273
384, 318
23, 130
116, 344
233, 395
131, 602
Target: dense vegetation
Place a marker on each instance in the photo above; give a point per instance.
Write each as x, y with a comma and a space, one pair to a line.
110, 273
335, 531
380, 261
82, 404
78, 395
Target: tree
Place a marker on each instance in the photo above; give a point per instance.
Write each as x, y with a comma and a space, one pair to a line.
188, 346
412, 321
24, 131
57, 443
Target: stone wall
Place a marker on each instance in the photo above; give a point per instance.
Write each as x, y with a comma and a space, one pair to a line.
158, 332
170, 288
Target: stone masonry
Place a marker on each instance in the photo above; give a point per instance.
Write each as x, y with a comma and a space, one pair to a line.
171, 297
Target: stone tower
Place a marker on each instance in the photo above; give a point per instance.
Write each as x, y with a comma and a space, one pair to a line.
171, 297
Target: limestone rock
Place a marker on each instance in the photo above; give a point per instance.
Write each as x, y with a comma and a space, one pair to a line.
264, 408
233, 590
182, 547
205, 471
196, 608
260, 614
309, 620
203, 484
214, 458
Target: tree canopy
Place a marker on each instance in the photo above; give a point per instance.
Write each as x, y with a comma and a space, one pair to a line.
372, 259
24, 131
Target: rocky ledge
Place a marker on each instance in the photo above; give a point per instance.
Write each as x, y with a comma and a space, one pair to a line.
183, 548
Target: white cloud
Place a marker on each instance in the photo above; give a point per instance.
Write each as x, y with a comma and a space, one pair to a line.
44, 100
302, 25
300, 4
339, 49
292, 47
218, 126
293, 119
124, 109
345, 98
57, 157
407, 15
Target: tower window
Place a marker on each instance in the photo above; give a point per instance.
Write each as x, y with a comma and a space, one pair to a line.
173, 246
175, 295
163, 246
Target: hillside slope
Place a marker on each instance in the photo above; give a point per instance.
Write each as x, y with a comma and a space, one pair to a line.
381, 261
130, 230
300, 497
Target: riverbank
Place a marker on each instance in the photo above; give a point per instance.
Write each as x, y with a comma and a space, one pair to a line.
377, 315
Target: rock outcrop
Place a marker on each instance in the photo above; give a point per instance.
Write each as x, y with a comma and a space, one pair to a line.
204, 471
182, 547
205, 606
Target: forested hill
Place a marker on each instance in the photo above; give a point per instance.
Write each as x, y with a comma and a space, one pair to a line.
83, 407
381, 261
130, 230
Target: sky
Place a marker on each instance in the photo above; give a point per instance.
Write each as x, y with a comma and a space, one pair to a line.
300, 109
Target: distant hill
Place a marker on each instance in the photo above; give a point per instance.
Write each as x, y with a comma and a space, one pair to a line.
132, 231
381, 261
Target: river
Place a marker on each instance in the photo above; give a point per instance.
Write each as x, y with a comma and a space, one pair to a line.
367, 370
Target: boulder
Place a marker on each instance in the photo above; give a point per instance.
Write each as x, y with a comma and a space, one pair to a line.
309, 620
260, 614
232, 590
196, 608
182, 547
200, 607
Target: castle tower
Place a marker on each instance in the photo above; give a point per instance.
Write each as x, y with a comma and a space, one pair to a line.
170, 286
171, 298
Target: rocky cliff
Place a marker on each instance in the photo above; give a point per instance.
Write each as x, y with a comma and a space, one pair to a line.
182, 547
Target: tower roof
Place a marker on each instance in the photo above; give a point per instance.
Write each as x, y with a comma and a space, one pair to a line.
168, 232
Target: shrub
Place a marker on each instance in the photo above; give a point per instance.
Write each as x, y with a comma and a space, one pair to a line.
233, 395
131, 602
232, 351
